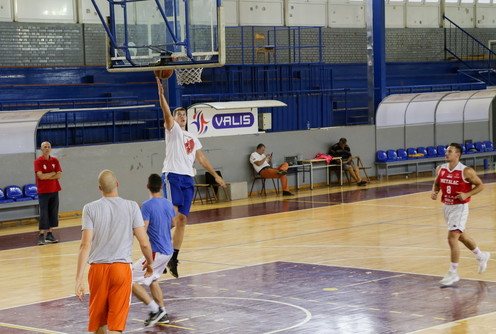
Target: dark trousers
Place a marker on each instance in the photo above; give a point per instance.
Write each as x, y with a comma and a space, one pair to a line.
49, 210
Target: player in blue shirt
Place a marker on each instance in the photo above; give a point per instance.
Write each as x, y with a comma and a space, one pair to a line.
157, 214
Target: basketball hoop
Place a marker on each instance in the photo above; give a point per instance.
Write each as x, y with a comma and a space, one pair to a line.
187, 76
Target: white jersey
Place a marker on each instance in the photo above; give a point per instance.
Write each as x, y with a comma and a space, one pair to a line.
112, 220
180, 151
258, 157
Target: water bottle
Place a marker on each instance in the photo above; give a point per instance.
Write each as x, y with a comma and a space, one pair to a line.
308, 125
486, 164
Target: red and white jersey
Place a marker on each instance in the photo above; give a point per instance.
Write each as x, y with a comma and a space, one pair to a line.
452, 183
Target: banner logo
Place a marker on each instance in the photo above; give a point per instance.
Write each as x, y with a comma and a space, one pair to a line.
234, 120
200, 122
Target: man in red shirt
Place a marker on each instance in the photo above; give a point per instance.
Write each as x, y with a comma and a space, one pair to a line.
48, 172
458, 183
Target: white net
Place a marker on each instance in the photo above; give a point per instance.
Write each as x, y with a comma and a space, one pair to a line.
186, 76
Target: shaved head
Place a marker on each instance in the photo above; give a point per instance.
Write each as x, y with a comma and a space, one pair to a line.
107, 181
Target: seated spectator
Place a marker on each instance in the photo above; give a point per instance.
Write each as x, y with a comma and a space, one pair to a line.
341, 149
263, 166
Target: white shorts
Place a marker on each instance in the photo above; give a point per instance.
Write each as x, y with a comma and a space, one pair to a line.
159, 262
456, 216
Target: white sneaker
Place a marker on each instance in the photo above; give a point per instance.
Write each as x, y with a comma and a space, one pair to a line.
449, 279
483, 261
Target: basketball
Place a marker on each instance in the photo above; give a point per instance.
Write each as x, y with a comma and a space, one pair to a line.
163, 74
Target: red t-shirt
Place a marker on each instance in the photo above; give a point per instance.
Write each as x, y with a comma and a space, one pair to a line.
47, 166
452, 182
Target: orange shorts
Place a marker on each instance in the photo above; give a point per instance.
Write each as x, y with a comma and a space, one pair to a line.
110, 295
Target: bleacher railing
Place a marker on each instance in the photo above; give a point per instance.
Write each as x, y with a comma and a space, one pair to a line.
476, 56
101, 125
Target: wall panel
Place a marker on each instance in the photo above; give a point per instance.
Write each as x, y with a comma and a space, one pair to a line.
60, 11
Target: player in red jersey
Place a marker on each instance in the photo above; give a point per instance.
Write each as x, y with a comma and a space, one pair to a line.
457, 183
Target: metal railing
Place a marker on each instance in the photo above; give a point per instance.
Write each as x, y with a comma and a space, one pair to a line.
476, 56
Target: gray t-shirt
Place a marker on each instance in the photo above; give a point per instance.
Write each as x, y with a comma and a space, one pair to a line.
112, 220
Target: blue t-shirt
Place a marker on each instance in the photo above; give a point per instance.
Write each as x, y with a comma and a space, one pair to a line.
159, 212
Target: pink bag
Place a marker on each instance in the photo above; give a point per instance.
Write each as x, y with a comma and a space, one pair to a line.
324, 156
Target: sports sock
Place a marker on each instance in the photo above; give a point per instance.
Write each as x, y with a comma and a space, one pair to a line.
175, 254
453, 267
477, 253
153, 306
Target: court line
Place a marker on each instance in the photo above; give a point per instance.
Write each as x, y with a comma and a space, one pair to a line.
451, 323
30, 329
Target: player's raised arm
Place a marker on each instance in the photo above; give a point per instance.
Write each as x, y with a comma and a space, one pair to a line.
168, 118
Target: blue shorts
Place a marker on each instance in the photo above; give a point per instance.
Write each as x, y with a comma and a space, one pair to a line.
179, 189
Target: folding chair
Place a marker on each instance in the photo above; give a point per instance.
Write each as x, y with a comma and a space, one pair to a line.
262, 191
209, 192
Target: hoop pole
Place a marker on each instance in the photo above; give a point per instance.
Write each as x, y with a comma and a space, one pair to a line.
105, 26
167, 24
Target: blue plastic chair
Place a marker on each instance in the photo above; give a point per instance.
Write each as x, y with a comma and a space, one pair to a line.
480, 146
470, 148
431, 152
411, 151
381, 156
31, 190
402, 155
3, 199
489, 146
422, 150
15, 193
441, 151
392, 155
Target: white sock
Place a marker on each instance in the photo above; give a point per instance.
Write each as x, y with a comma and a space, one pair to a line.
153, 306
477, 252
453, 267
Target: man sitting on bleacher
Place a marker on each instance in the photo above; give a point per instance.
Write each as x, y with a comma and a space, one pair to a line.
48, 172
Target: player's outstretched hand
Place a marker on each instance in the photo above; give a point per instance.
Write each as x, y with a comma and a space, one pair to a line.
220, 181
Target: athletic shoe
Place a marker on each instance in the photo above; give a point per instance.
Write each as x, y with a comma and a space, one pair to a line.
164, 319
450, 278
153, 318
287, 193
282, 172
41, 240
483, 261
173, 267
362, 183
51, 239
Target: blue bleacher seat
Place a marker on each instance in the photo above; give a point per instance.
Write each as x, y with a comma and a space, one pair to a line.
489, 146
15, 193
381, 156
3, 199
422, 150
480, 146
441, 151
411, 151
30, 190
402, 154
392, 155
431, 152
470, 148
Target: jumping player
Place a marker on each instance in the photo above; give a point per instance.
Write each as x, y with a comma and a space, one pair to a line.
457, 183
181, 151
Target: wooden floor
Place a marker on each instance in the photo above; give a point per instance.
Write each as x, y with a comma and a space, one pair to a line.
332, 260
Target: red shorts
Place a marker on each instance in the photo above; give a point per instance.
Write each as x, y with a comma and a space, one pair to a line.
110, 295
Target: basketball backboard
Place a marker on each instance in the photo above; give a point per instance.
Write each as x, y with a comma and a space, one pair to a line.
146, 35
